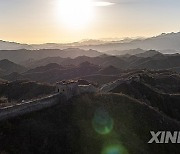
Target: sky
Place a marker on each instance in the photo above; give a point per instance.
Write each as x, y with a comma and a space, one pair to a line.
61, 21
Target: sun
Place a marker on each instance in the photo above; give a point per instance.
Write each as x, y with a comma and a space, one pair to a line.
75, 13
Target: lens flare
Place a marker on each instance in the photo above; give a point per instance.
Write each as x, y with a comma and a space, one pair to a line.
114, 149
102, 122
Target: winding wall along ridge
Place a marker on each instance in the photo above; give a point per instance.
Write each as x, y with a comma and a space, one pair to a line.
29, 106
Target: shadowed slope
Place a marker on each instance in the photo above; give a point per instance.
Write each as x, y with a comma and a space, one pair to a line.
73, 128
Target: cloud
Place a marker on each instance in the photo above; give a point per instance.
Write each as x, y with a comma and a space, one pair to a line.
101, 3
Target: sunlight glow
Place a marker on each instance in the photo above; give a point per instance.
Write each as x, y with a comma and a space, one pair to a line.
75, 13
103, 3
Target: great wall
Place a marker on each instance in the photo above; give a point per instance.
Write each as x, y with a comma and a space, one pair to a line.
64, 91
29, 106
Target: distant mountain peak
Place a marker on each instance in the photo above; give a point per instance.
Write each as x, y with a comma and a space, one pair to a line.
9, 67
86, 63
149, 53
4, 61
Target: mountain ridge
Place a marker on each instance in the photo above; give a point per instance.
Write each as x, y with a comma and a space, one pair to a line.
164, 41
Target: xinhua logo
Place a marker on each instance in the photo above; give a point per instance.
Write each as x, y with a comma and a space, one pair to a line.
165, 137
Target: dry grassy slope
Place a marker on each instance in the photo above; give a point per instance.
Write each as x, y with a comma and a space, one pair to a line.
67, 128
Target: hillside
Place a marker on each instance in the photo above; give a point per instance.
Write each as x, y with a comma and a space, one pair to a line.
45, 68
24, 90
7, 67
110, 70
20, 56
150, 60
5, 45
104, 61
57, 68
42, 62
100, 78
124, 52
53, 73
149, 53
167, 62
78, 127
157, 89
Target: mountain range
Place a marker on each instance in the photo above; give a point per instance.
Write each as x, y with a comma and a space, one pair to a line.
103, 67
138, 91
166, 42
22, 55
7, 67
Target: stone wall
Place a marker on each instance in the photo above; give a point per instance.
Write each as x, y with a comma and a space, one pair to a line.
30, 106
73, 89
